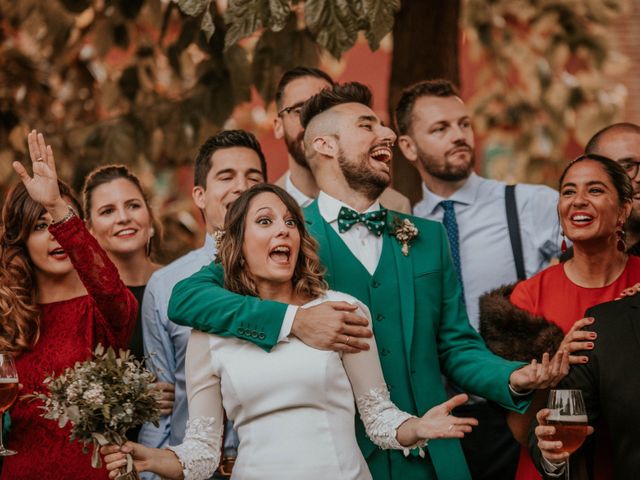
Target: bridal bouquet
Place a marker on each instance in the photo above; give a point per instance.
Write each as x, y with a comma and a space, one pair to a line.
102, 398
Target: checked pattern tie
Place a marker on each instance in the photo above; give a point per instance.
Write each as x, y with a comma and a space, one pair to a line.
374, 221
451, 226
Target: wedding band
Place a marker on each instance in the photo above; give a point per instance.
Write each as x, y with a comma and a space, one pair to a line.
347, 340
451, 427
39, 159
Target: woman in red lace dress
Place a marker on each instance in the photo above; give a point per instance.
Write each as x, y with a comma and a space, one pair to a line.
60, 296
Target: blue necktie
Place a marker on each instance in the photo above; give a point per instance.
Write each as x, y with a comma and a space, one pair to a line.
451, 226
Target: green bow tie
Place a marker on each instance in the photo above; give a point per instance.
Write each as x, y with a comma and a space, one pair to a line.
374, 221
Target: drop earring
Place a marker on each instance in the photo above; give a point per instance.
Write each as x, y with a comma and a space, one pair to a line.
620, 233
147, 249
563, 245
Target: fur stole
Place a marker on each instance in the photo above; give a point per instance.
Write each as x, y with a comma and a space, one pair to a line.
513, 333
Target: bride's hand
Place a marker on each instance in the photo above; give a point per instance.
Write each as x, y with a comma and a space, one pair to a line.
43, 186
115, 457
161, 461
439, 423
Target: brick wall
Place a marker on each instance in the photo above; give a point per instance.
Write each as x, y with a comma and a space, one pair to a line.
625, 38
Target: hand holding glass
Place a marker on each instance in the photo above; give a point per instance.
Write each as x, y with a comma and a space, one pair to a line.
8, 392
569, 418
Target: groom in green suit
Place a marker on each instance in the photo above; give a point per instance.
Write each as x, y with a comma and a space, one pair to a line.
399, 265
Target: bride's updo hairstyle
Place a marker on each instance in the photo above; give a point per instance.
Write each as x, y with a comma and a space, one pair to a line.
20, 326
307, 278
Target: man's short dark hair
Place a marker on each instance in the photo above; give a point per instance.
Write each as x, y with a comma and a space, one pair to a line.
295, 73
224, 139
438, 87
352, 92
592, 144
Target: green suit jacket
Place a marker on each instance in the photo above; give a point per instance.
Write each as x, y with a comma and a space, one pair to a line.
434, 326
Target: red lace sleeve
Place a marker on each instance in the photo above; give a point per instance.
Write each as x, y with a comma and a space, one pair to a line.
100, 277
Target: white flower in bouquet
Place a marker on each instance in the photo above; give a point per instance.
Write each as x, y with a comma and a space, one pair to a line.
102, 398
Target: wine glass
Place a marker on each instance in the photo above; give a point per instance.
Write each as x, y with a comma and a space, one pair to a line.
569, 417
8, 392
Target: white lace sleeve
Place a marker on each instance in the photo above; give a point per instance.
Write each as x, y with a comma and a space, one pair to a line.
382, 418
199, 454
379, 414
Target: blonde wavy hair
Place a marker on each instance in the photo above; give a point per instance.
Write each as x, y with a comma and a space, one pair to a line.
308, 280
20, 326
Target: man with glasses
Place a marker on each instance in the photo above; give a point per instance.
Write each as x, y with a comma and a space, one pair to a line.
621, 142
295, 87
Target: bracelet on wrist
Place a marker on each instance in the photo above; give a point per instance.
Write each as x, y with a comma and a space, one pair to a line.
70, 214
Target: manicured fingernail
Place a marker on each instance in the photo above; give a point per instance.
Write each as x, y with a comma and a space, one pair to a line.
593, 335
589, 345
584, 360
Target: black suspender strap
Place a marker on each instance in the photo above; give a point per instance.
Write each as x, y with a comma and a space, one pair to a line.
514, 230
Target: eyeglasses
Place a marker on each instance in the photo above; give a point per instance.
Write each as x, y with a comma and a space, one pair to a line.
294, 109
631, 167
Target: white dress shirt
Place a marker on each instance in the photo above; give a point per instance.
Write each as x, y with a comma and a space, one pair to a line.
301, 199
486, 258
363, 244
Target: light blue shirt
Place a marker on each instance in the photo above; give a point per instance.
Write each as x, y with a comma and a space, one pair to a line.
486, 258
165, 345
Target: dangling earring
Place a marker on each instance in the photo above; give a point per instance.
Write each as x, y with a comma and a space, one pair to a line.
563, 245
147, 249
620, 245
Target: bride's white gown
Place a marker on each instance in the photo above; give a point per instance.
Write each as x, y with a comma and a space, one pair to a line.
293, 408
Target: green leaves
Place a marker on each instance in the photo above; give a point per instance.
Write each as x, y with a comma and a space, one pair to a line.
247, 16
379, 16
333, 24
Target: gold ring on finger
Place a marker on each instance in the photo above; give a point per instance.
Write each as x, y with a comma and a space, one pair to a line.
39, 159
347, 340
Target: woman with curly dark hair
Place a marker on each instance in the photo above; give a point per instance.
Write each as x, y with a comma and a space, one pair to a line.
545, 312
293, 408
60, 296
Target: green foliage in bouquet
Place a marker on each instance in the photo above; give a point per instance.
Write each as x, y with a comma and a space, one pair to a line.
101, 398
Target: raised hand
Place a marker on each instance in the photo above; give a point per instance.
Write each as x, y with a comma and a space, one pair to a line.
439, 423
43, 186
576, 340
332, 326
539, 375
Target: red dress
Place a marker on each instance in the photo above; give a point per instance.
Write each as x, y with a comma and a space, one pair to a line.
552, 295
69, 332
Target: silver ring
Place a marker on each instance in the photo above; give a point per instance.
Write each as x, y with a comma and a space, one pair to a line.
346, 342
450, 427
39, 159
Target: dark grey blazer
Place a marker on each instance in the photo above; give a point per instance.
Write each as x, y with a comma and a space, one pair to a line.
610, 384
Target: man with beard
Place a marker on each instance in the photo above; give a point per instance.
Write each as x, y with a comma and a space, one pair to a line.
398, 265
436, 135
621, 142
295, 87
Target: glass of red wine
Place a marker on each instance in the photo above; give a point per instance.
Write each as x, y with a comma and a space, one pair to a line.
569, 417
8, 392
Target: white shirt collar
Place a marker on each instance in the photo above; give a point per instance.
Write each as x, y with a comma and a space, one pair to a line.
300, 198
210, 246
467, 194
330, 207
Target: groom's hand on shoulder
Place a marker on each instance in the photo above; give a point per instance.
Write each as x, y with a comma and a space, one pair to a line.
332, 326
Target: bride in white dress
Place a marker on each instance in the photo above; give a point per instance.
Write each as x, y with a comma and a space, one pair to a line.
293, 407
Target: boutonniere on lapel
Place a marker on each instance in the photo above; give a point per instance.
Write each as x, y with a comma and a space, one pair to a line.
405, 232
